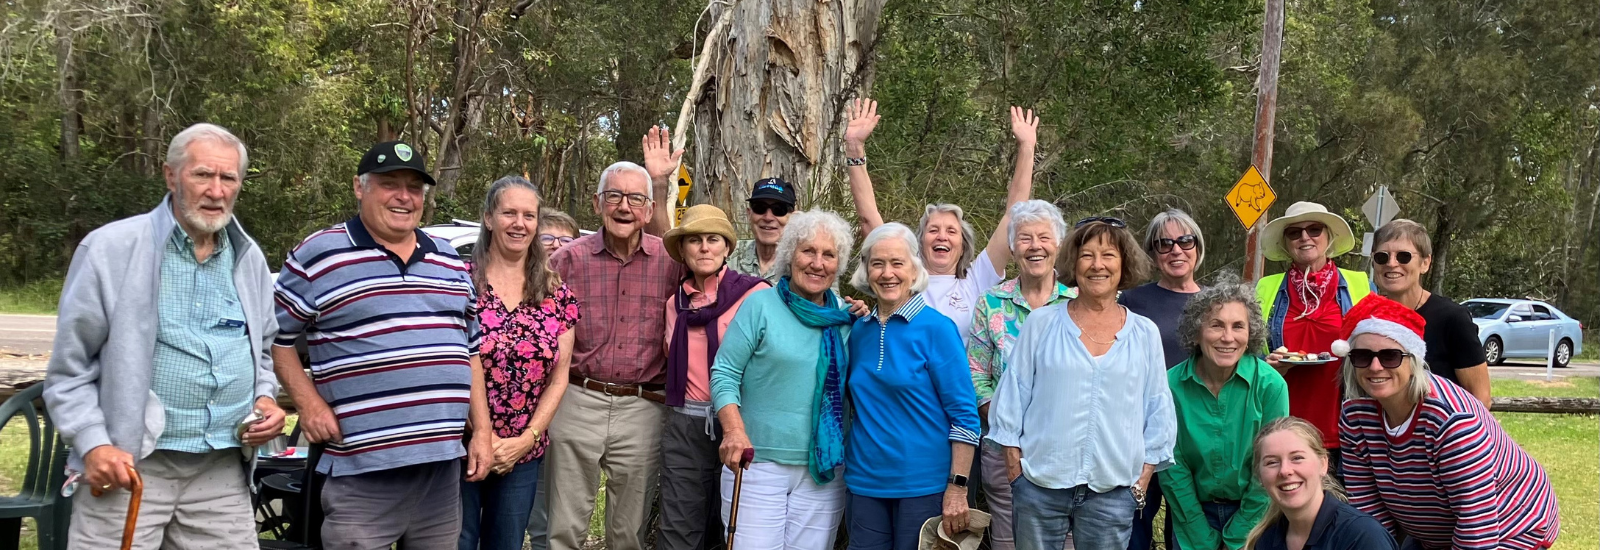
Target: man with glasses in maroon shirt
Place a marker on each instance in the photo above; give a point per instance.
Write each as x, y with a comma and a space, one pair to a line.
610, 418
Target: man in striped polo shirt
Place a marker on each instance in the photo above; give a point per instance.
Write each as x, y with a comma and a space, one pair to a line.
387, 315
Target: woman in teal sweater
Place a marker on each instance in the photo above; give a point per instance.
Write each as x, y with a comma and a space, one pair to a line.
1224, 395
777, 386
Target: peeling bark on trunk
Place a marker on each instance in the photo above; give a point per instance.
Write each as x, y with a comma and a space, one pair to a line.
773, 101
1443, 243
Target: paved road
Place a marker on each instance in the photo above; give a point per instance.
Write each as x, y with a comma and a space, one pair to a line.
31, 334
27, 334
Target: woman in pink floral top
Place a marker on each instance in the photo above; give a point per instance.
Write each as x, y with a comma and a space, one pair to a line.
526, 315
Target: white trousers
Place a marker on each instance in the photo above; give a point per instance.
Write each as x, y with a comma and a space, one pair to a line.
781, 508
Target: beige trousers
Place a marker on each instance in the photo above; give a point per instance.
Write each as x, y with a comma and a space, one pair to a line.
594, 433
191, 501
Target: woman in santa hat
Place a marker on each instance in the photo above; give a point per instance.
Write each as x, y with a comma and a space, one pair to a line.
1424, 457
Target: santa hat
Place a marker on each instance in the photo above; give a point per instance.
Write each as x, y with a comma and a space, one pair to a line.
1384, 317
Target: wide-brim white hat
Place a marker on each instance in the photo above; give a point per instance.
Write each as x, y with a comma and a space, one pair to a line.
1342, 238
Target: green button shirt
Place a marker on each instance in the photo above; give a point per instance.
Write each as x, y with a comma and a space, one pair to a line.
204, 372
1214, 457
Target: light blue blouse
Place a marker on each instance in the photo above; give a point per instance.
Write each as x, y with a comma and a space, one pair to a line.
1081, 420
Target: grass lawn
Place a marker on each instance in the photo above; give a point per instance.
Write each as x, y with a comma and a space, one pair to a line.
1569, 387
1565, 444
38, 297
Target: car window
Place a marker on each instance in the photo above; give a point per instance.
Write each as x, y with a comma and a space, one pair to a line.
1542, 313
1485, 310
464, 251
1522, 311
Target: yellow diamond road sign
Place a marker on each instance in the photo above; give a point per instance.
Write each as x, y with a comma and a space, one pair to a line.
1250, 198
683, 194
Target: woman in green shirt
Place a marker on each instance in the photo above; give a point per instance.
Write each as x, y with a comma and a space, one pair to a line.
1223, 396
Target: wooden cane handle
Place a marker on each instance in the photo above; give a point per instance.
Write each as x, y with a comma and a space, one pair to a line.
133, 508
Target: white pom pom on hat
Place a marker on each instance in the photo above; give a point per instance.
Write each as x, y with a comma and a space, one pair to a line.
1341, 348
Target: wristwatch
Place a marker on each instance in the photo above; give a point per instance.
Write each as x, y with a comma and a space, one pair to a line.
958, 480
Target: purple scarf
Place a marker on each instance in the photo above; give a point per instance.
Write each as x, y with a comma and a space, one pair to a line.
733, 286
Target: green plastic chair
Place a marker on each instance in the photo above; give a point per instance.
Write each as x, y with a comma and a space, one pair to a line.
40, 497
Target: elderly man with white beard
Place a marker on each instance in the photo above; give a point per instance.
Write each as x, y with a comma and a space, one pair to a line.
162, 360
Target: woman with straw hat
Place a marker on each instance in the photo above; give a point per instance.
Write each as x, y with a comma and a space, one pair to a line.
698, 316
1304, 308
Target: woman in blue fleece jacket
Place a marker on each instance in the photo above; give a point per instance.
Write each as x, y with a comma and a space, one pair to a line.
915, 425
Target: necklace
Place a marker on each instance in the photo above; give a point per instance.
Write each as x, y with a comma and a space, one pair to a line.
1091, 336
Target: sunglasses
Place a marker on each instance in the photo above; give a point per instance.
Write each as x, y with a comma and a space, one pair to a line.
546, 238
1382, 258
1314, 231
635, 200
1113, 222
1389, 358
1186, 242
777, 208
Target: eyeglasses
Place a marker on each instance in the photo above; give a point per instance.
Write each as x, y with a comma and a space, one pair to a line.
1113, 222
1186, 242
635, 200
778, 209
1389, 358
1313, 231
547, 239
1382, 258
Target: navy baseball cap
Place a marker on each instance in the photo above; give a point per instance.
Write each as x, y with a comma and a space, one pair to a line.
773, 189
390, 156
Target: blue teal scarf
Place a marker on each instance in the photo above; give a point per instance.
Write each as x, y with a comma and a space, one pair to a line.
827, 405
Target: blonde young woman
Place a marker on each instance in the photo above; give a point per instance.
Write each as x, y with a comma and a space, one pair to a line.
1307, 510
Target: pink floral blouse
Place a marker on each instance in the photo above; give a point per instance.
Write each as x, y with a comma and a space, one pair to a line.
519, 349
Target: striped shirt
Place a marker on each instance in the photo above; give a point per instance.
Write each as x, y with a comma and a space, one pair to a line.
1454, 480
390, 341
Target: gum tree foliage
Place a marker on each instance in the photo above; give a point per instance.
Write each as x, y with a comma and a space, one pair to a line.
1482, 117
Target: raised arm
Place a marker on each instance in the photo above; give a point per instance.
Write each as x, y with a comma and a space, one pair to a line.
1025, 126
662, 162
863, 118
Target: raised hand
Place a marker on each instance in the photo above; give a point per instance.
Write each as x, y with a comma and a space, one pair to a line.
863, 114
1025, 126
659, 158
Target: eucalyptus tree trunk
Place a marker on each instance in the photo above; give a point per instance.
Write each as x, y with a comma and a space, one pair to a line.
769, 93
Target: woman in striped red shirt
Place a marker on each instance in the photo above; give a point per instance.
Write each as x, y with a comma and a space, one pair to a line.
1423, 456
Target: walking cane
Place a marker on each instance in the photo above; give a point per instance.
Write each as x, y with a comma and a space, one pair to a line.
738, 479
133, 507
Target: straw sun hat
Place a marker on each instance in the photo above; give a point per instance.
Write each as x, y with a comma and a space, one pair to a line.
1339, 233
700, 219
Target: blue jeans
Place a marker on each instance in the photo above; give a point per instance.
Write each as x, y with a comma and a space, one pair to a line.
1217, 516
891, 523
1144, 522
1098, 521
494, 512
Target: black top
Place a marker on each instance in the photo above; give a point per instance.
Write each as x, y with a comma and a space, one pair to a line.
1164, 307
1339, 526
1451, 336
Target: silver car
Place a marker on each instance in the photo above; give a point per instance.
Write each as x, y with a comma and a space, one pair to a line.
1522, 329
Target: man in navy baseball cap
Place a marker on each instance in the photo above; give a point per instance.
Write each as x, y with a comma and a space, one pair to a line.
771, 201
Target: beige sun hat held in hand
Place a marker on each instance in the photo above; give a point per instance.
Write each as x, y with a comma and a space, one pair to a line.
933, 536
